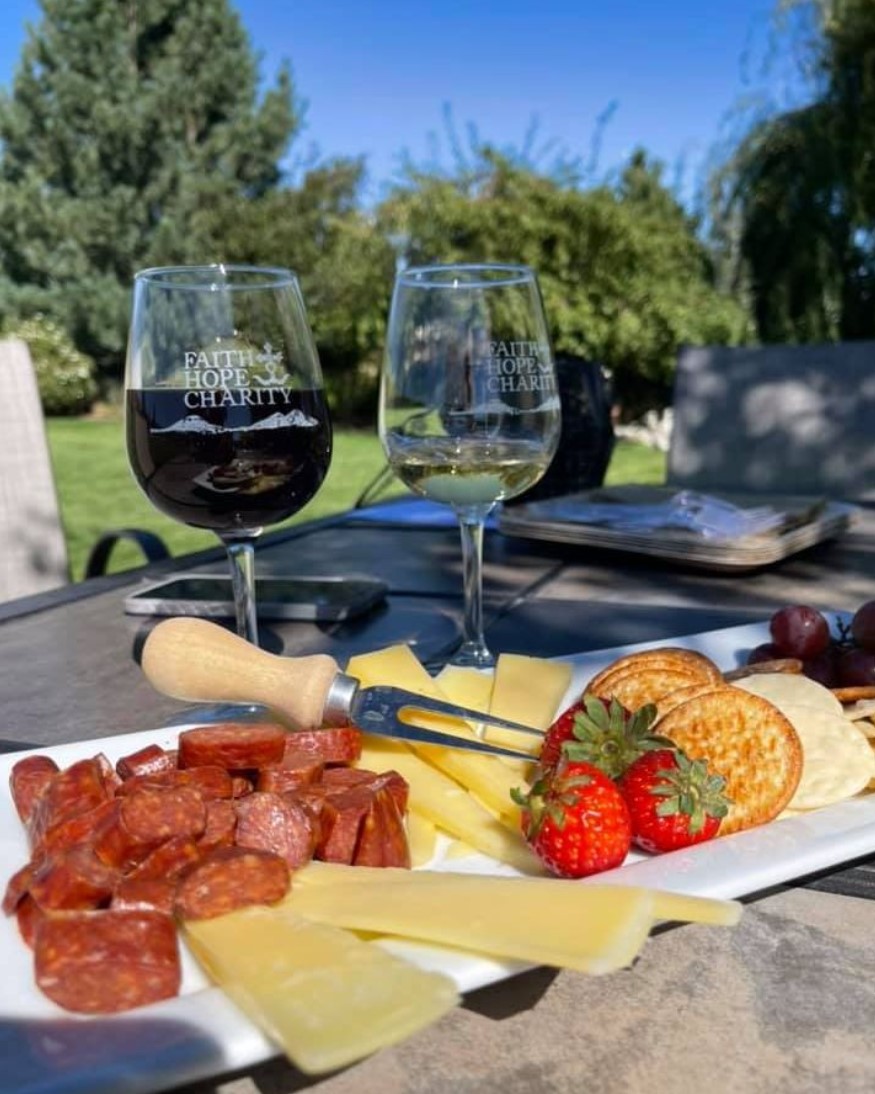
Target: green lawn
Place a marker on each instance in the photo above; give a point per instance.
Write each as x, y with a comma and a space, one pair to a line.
96, 489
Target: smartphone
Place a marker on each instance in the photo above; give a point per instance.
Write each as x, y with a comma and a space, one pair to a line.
316, 599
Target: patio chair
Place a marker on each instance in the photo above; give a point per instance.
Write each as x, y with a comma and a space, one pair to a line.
775, 419
33, 550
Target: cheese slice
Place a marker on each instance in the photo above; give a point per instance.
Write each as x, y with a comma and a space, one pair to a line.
590, 928
469, 688
421, 838
668, 906
485, 776
473, 689
448, 805
325, 997
527, 690
456, 850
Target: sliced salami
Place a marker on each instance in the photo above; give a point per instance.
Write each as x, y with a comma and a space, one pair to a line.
312, 800
28, 914
107, 961
75, 790
79, 829
17, 887
229, 878
341, 820
341, 778
119, 852
145, 819
236, 746
241, 786
168, 860
220, 827
111, 780
145, 894
146, 761
72, 880
309, 766
397, 786
269, 822
211, 781
27, 780
383, 838
333, 745
285, 777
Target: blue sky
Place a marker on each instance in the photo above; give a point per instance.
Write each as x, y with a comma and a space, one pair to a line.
378, 76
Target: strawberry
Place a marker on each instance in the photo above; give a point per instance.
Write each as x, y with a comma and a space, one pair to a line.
575, 820
558, 733
602, 733
673, 801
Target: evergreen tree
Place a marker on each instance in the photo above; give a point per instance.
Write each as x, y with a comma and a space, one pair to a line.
125, 120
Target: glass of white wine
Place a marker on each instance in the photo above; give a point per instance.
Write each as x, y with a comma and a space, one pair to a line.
469, 408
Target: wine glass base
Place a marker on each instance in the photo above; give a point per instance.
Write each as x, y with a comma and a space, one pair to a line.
472, 655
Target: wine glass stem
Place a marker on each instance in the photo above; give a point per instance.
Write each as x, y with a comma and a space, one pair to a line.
241, 555
473, 651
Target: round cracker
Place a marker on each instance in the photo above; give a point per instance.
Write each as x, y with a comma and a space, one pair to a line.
634, 687
749, 742
837, 759
668, 657
789, 688
682, 695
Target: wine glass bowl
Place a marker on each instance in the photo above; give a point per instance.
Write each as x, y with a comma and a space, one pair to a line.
469, 409
227, 424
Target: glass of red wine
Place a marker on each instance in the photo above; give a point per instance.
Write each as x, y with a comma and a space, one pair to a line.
226, 417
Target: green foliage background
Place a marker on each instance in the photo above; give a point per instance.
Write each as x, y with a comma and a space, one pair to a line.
123, 122
135, 135
65, 377
143, 133
794, 202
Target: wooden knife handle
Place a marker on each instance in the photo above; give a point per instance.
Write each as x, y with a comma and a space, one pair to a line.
199, 661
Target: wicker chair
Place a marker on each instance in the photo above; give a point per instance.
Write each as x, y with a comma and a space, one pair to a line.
33, 550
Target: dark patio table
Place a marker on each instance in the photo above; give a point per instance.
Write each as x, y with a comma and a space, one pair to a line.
785, 1001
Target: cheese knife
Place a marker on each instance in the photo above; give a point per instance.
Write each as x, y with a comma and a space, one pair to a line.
198, 661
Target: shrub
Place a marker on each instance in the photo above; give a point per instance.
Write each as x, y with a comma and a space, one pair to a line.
65, 376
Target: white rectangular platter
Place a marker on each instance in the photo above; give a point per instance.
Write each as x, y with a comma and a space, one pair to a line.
200, 1034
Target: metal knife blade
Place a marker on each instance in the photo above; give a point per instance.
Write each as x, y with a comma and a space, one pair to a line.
390, 712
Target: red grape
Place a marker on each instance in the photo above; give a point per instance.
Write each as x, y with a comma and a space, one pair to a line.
799, 631
863, 625
823, 667
856, 668
767, 651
